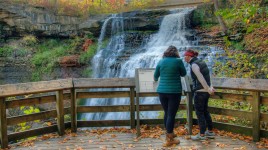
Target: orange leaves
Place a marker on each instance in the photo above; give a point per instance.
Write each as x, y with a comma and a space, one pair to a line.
28, 143
221, 145
86, 44
103, 147
111, 138
151, 132
263, 143
113, 135
48, 136
180, 131
49, 123
79, 148
64, 140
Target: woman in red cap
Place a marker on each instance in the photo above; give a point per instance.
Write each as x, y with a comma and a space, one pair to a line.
202, 89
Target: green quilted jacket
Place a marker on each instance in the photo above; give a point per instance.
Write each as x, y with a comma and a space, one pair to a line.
170, 70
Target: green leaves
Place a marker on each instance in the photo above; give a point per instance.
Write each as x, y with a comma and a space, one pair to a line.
30, 110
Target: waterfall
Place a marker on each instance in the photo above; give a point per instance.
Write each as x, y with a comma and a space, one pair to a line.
173, 30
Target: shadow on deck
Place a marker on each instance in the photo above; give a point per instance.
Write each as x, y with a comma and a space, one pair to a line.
152, 138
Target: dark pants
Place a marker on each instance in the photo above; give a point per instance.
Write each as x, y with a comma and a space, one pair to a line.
201, 110
170, 104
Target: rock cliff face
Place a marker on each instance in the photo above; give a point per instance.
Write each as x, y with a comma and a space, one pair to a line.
24, 19
18, 20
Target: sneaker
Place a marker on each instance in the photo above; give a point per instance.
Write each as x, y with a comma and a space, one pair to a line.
209, 134
198, 137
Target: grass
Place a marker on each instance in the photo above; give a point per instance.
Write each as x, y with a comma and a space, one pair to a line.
6, 51
47, 56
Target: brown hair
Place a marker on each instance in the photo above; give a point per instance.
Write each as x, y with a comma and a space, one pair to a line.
171, 51
191, 52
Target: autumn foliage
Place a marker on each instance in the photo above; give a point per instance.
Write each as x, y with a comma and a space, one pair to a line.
87, 7
86, 44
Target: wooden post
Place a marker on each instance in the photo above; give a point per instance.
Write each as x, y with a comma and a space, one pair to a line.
186, 84
3, 124
256, 116
132, 108
138, 114
73, 111
189, 103
60, 112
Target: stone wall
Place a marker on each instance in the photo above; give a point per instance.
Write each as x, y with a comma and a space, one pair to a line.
31, 19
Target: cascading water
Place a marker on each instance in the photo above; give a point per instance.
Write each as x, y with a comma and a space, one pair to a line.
173, 30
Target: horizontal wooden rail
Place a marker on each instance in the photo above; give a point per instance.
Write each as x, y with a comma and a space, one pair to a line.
230, 112
112, 123
104, 94
241, 84
122, 108
103, 83
35, 132
232, 97
35, 116
90, 109
31, 101
155, 107
264, 100
264, 117
35, 87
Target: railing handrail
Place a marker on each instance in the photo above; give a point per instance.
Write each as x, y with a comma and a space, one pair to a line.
241, 84
35, 87
78, 83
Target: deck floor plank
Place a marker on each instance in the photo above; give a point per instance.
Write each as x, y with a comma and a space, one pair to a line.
119, 141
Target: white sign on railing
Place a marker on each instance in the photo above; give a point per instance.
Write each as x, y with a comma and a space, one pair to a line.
145, 81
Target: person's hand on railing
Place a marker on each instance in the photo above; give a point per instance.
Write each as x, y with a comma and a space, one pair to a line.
211, 90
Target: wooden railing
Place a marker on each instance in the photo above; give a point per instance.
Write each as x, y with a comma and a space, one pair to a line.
70, 90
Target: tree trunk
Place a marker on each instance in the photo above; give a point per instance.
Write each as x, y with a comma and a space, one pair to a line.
221, 21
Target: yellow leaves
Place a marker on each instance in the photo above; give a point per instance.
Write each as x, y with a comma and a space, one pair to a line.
131, 146
241, 148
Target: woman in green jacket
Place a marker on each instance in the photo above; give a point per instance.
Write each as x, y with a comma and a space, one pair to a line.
170, 69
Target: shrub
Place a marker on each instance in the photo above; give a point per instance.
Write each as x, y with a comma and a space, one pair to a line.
29, 40
6, 51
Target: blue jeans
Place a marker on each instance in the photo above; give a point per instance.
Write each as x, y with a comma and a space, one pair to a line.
201, 110
170, 103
